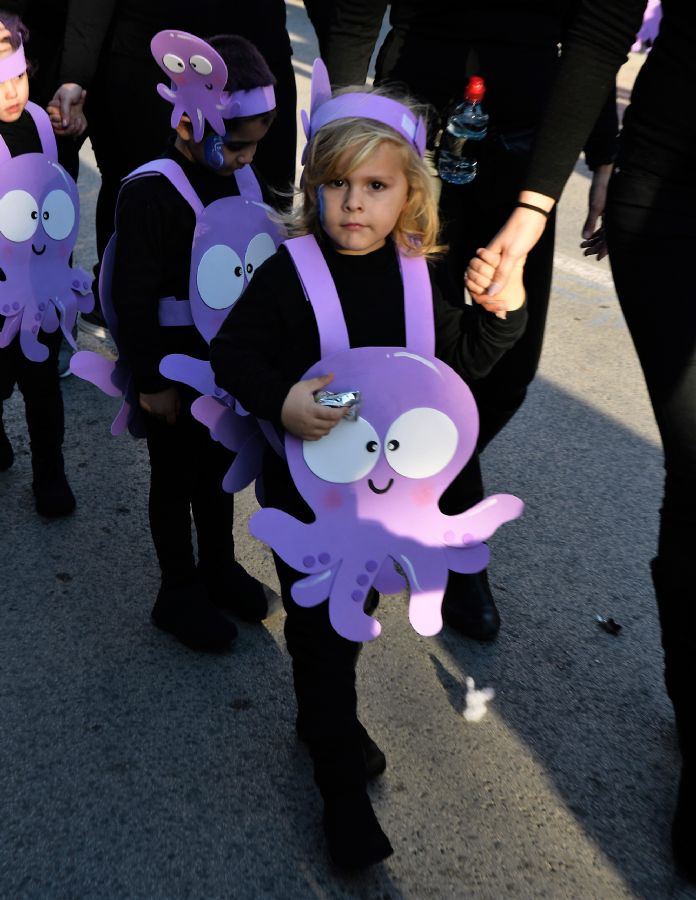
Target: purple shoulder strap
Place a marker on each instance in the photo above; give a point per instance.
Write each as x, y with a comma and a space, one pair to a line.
321, 292
173, 172
45, 131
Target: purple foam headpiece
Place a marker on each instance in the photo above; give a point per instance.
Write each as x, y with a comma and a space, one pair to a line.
14, 65
324, 109
198, 74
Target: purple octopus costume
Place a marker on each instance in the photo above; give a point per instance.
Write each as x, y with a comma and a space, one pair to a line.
232, 236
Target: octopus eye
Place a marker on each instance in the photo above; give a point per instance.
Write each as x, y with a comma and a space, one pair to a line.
219, 277
173, 63
343, 455
427, 441
201, 65
19, 213
58, 214
261, 246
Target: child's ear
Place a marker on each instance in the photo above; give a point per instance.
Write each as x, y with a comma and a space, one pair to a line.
184, 129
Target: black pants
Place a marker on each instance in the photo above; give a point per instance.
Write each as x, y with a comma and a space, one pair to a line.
323, 666
651, 230
43, 402
472, 214
186, 472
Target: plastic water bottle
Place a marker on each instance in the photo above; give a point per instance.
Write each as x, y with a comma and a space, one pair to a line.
456, 160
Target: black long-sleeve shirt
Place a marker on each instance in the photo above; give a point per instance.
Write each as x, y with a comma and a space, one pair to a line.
154, 235
434, 45
270, 338
659, 130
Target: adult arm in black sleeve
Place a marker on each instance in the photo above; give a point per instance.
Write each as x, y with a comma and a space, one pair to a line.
351, 37
85, 30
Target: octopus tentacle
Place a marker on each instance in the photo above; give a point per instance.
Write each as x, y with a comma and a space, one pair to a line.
347, 602
10, 327
481, 521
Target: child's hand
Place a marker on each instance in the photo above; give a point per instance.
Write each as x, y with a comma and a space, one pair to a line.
479, 276
303, 416
163, 405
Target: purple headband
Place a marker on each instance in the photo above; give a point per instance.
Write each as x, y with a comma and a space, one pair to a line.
324, 109
198, 74
13, 65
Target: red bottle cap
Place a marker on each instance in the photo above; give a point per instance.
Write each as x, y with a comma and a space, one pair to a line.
475, 89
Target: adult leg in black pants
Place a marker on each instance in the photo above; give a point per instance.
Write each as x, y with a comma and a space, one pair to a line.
651, 231
323, 665
472, 214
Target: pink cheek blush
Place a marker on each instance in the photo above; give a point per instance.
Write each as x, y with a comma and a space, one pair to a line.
331, 499
423, 495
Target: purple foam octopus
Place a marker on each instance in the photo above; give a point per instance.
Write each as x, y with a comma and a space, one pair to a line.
374, 486
198, 74
39, 218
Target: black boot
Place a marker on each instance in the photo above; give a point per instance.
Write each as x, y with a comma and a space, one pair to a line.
678, 624
52, 494
6, 451
468, 606
354, 837
232, 588
185, 611
375, 760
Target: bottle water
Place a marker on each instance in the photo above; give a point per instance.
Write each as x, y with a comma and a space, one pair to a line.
456, 159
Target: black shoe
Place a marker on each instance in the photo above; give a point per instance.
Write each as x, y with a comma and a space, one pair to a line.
354, 836
375, 760
468, 606
52, 494
94, 323
6, 451
186, 612
232, 588
684, 829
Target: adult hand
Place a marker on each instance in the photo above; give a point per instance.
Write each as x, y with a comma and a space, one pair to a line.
516, 238
65, 109
594, 243
479, 275
302, 416
163, 404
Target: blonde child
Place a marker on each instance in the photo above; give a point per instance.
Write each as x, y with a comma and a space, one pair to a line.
366, 196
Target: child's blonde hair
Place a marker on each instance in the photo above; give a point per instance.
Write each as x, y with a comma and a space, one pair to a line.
352, 141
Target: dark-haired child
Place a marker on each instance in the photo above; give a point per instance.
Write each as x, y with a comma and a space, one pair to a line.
152, 260
29, 349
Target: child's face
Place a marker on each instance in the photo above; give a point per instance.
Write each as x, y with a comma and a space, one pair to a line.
14, 93
359, 211
239, 143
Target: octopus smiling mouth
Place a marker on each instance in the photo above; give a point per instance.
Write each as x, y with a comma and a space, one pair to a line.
38, 252
379, 490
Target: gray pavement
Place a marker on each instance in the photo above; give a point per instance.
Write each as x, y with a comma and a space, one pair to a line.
133, 768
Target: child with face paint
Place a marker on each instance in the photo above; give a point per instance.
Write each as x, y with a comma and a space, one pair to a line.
159, 217
368, 207
39, 209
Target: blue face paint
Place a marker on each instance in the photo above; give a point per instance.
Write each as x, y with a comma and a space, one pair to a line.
213, 151
320, 204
